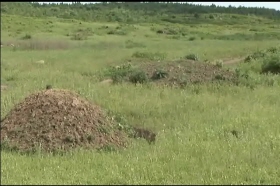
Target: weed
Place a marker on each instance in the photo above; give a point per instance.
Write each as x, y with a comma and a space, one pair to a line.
26, 37
159, 74
255, 56
192, 38
271, 65
138, 77
117, 32
273, 50
119, 73
219, 63
79, 36
132, 44
192, 57
149, 55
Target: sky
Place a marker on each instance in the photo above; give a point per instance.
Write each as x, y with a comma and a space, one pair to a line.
274, 5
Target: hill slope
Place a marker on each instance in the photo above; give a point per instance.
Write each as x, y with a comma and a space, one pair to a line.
134, 12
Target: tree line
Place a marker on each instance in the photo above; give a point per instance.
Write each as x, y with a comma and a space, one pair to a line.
126, 11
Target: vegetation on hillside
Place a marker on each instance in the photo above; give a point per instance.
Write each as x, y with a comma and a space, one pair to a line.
133, 12
203, 81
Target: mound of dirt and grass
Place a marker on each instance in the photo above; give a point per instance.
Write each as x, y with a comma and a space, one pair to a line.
59, 120
187, 72
177, 73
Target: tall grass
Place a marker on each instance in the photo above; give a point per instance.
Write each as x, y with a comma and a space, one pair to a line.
207, 134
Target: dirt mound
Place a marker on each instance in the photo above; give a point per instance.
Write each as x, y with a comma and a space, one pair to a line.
185, 72
59, 120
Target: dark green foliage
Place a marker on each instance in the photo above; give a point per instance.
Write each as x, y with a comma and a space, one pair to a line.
271, 65
138, 76
255, 56
149, 55
126, 73
196, 15
128, 12
82, 34
132, 44
192, 38
117, 32
192, 57
79, 37
211, 16
27, 36
273, 50
119, 73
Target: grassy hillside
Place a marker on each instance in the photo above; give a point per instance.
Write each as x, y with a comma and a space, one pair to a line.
207, 133
134, 12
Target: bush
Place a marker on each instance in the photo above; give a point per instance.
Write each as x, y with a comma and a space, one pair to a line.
79, 36
149, 55
160, 32
255, 56
27, 36
273, 50
219, 63
117, 32
271, 65
132, 44
119, 73
159, 74
211, 16
192, 57
192, 38
82, 34
138, 77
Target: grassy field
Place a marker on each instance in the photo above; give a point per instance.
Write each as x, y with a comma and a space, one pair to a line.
194, 142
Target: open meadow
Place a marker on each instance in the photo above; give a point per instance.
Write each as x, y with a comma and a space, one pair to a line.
210, 128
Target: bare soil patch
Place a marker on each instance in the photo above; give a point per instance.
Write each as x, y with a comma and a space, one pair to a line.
233, 61
4, 87
59, 120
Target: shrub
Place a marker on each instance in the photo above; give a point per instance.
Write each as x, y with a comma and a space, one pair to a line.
273, 50
119, 73
211, 16
117, 32
196, 15
271, 65
255, 56
253, 30
149, 55
159, 74
219, 63
192, 38
138, 77
132, 44
192, 57
160, 32
27, 36
79, 36
82, 34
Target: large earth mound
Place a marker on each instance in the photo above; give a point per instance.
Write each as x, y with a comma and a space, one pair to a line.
188, 72
59, 120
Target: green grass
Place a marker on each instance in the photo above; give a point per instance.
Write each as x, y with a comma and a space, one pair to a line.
194, 143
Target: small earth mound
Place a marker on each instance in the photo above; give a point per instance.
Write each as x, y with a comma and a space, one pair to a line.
188, 72
59, 120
